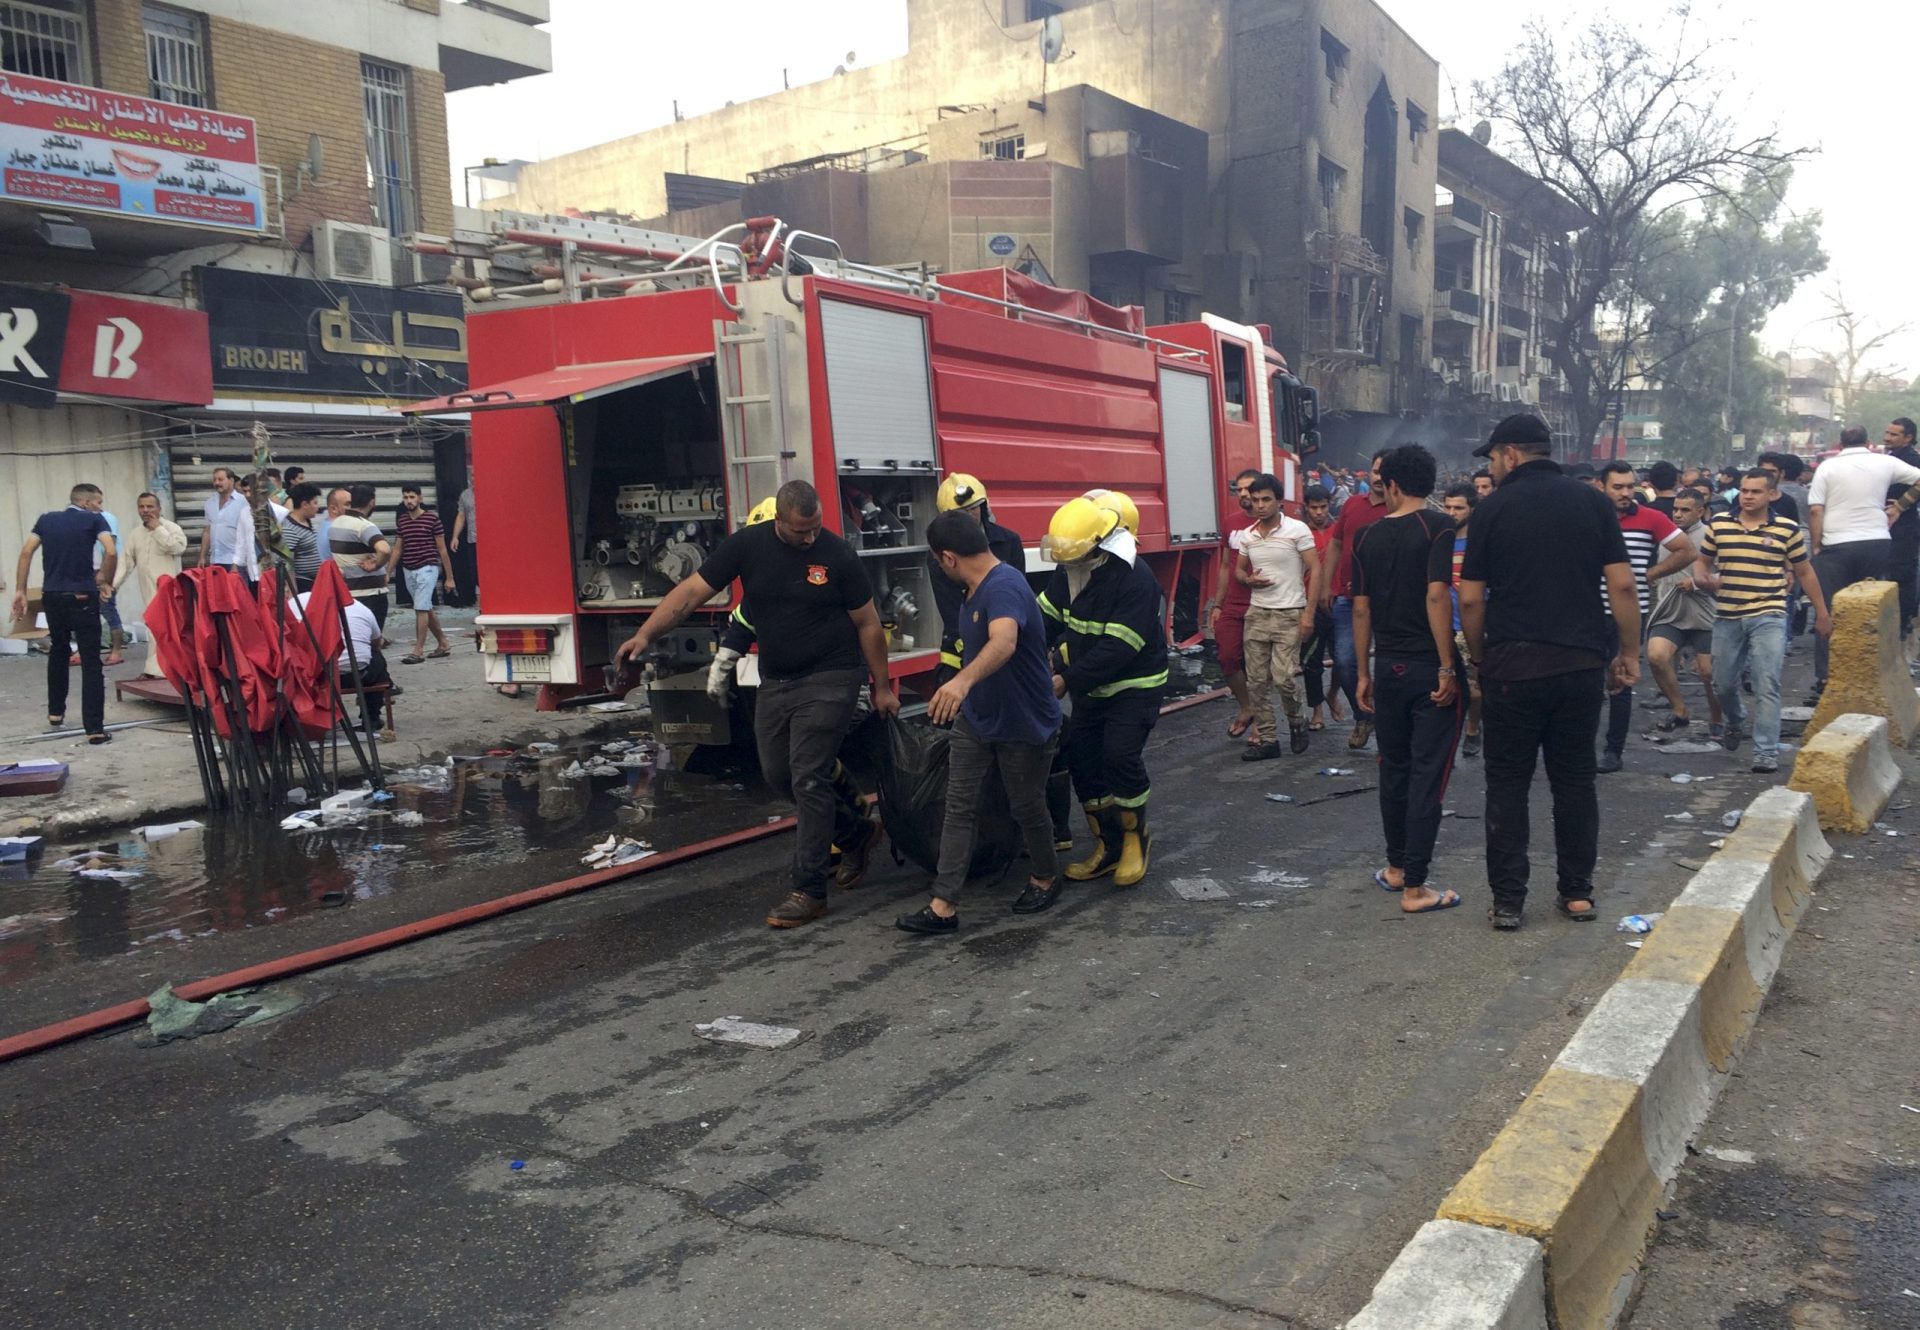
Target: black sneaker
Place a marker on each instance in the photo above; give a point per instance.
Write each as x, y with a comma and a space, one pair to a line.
1732, 739
1672, 723
1609, 762
1260, 752
1301, 738
925, 921
1035, 898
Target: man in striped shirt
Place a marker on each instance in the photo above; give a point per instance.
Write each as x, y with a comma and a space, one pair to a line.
1655, 548
1746, 557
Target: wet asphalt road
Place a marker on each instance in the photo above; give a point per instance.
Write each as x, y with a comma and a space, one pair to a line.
1135, 1111
1803, 1210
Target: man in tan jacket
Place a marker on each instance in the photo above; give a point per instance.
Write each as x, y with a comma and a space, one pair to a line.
154, 549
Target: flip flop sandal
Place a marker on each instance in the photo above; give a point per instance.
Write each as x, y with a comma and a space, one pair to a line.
1448, 900
412, 660
443, 651
1316, 725
1380, 880
55, 722
1585, 916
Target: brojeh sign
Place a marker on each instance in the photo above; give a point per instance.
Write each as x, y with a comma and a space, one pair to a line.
68, 146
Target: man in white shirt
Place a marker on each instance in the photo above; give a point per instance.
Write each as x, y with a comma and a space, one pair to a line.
1849, 516
153, 550
363, 631
219, 539
1279, 559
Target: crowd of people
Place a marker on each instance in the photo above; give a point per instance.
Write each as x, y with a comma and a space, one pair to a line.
1503, 613
254, 520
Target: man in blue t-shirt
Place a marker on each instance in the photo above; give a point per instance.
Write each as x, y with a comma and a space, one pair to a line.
71, 592
1005, 716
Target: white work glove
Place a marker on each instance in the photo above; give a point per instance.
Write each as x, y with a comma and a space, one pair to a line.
720, 673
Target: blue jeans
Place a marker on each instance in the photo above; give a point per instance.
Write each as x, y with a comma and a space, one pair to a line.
1345, 659
1756, 644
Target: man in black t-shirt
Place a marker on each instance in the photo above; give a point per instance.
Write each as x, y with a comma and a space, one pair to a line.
71, 595
1542, 642
1403, 608
814, 617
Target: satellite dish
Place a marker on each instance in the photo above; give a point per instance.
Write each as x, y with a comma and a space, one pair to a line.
1053, 38
1483, 133
850, 57
316, 157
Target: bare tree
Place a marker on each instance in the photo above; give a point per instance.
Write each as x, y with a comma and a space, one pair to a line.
1858, 342
1628, 122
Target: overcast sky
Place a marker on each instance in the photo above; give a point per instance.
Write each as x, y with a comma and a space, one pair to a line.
1838, 75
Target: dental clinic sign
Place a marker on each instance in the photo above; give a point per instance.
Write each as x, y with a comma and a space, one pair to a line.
63, 146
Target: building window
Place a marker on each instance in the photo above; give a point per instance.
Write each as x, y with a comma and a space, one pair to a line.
1178, 306
47, 40
1334, 51
176, 56
389, 146
1233, 379
1036, 10
1416, 229
1416, 129
1343, 312
1333, 178
1009, 148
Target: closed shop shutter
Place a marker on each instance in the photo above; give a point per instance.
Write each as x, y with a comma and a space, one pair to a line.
877, 387
386, 462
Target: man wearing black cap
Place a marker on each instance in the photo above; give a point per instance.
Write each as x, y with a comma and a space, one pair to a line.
1538, 545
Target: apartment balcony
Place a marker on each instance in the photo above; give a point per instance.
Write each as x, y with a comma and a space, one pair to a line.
1515, 319
1457, 306
493, 41
1461, 218
1518, 238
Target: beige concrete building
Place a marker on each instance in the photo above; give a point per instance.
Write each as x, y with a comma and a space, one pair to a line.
1270, 161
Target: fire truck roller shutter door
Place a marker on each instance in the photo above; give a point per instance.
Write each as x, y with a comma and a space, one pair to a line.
879, 393
1186, 431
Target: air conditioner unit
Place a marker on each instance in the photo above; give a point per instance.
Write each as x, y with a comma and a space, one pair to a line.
1543, 367
1507, 392
1483, 382
412, 268
344, 252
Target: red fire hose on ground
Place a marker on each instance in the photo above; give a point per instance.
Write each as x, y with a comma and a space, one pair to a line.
107, 1018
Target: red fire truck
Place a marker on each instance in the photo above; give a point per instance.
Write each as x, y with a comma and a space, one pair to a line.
633, 394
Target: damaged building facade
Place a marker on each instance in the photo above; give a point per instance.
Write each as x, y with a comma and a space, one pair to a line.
1269, 161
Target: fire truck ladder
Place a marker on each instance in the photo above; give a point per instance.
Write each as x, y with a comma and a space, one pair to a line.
753, 410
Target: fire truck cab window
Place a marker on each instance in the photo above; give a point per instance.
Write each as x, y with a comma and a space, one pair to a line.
1233, 379
644, 488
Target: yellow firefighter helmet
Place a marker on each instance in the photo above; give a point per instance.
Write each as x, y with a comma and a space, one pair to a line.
960, 490
760, 512
1077, 528
1120, 505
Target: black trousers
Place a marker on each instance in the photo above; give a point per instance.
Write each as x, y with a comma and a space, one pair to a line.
73, 622
1106, 747
1838, 567
1315, 652
798, 726
1619, 720
1417, 741
1906, 574
1555, 718
466, 575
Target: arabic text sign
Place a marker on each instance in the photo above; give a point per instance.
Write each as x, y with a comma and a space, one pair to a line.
294, 335
86, 148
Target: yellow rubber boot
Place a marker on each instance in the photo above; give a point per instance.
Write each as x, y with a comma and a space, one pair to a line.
1106, 847
1136, 846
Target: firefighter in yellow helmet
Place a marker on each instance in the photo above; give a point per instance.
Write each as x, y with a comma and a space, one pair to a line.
1110, 645
960, 492
1122, 505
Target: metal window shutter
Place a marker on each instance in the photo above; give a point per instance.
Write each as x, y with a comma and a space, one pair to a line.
385, 463
1186, 424
878, 389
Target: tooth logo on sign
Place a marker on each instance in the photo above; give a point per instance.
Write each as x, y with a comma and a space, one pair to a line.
17, 327
113, 346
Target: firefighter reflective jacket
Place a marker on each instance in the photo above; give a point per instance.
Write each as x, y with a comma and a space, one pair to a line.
948, 594
1110, 638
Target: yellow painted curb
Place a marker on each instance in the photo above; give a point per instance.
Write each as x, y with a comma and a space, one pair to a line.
1849, 771
1865, 672
1570, 1171
1706, 950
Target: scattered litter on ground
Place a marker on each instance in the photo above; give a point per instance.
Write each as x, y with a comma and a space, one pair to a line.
297, 795
1636, 944
19, 849
1687, 746
517, 1165
1280, 798
542, 749
1637, 923
1910, 1108
1731, 820
1335, 771
19, 923
162, 830
1454, 812
306, 820
602, 768
610, 706
378, 848
1719, 844
1796, 713
109, 874
1687, 778
733, 1030
1337, 794
573, 771
1255, 905
1274, 877
1182, 1181
1730, 1156
616, 850
1199, 889
433, 778
407, 817
173, 1017
1679, 817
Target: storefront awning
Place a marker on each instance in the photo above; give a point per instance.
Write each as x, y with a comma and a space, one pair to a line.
563, 383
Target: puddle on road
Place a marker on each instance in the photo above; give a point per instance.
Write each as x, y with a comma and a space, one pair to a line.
501, 824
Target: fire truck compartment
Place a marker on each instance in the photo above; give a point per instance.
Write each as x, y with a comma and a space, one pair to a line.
645, 498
